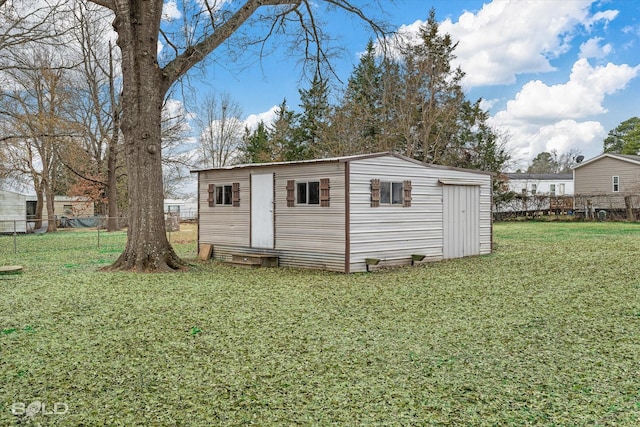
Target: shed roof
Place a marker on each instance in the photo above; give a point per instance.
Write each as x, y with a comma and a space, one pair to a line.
343, 159
624, 157
12, 192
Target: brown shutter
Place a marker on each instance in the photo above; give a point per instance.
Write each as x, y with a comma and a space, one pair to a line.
212, 195
291, 186
406, 199
324, 192
375, 193
235, 194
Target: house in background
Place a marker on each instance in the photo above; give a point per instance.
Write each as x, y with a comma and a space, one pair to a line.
67, 206
539, 192
345, 213
608, 183
13, 212
187, 209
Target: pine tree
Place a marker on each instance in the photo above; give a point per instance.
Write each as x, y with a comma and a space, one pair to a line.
358, 121
256, 147
285, 141
315, 118
432, 96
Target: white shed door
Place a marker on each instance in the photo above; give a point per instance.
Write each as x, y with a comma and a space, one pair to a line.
461, 220
262, 211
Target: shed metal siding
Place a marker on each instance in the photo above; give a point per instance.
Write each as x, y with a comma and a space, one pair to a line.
312, 236
305, 236
224, 225
13, 212
394, 233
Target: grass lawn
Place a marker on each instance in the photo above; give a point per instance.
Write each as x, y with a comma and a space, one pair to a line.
545, 331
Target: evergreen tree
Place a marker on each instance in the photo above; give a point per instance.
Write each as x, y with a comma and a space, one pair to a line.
256, 147
358, 122
477, 145
315, 118
285, 141
544, 162
432, 97
625, 138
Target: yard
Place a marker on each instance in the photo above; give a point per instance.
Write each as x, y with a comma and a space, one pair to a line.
545, 331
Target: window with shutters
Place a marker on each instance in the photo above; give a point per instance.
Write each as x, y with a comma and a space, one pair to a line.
224, 195
308, 193
390, 193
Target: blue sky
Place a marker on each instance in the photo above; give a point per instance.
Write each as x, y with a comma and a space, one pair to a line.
554, 74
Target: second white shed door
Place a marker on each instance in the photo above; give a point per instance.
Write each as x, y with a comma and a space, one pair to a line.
461, 220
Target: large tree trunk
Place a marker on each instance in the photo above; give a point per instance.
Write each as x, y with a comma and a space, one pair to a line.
39, 208
51, 215
147, 246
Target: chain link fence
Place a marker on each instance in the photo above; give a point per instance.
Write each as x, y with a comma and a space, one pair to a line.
21, 237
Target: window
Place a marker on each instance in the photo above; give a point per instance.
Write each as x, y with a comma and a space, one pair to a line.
561, 189
67, 209
616, 184
224, 195
390, 193
308, 193
552, 189
173, 208
31, 209
534, 188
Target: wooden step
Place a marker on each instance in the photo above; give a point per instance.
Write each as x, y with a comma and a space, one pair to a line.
254, 260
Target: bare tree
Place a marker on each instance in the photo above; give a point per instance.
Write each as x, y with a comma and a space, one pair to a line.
147, 78
220, 129
34, 114
177, 158
96, 108
25, 24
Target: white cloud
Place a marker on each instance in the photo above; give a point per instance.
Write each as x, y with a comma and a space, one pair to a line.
506, 38
592, 49
605, 16
267, 117
174, 109
510, 37
170, 11
562, 136
487, 104
544, 117
580, 97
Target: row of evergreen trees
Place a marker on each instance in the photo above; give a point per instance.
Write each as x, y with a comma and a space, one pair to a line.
409, 101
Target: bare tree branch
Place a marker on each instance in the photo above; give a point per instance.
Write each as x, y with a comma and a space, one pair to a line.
194, 54
109, 4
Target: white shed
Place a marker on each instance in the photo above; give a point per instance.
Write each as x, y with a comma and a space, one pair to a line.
13, 212
344, 213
